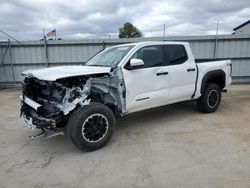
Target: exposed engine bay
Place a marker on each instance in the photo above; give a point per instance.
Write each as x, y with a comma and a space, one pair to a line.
47, 105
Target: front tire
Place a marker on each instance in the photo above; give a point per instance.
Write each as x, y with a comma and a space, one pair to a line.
210, 99
91, 126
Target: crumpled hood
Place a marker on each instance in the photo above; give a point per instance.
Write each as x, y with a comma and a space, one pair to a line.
54, 73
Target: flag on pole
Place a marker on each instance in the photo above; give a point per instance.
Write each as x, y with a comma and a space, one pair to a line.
51, 33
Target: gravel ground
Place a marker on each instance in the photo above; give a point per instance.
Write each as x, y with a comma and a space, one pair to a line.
171, 146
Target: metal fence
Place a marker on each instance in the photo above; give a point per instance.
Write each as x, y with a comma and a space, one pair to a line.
16, 57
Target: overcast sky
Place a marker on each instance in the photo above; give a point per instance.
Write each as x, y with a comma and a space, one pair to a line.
24, 19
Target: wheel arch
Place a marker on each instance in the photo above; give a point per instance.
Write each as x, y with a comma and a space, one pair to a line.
216, 76
102, 97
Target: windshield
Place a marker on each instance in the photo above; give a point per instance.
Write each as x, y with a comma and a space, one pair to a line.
109, 57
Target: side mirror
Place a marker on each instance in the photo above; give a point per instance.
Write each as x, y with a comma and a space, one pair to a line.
136, 62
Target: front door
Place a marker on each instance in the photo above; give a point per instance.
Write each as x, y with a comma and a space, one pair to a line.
146, 86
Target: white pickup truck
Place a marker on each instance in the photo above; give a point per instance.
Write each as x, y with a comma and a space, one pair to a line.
117, 81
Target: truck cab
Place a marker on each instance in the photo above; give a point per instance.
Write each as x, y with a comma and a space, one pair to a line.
168, 75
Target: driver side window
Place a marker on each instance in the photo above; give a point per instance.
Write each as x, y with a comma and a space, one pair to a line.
151, 56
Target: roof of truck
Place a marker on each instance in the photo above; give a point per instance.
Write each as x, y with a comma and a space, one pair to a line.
153, 43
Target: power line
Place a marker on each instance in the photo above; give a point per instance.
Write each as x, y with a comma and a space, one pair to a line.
10, 36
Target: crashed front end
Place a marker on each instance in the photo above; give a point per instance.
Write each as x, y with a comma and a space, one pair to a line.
46, 105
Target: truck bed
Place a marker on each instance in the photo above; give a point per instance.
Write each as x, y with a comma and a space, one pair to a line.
210, 66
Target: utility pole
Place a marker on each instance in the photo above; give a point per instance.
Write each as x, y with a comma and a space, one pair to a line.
43, 33
164, 29
45, 49
217, 28
55, 34
216, 40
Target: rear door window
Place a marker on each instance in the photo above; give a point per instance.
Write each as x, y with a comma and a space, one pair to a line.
175, 54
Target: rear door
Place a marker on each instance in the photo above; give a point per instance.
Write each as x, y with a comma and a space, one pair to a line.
182, 72
146, 86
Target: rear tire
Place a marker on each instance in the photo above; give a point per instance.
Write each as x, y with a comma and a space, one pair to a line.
210, 99
91, 126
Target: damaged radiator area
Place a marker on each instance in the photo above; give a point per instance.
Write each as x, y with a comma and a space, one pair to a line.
47, 104
55, 100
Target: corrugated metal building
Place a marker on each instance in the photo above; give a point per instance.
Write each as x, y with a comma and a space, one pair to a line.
242, 28
15, 57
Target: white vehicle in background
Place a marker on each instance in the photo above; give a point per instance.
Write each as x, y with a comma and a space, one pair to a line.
117, 81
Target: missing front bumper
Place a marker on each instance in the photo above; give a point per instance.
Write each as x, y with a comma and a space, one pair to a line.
33, 120
39, 122
47, 126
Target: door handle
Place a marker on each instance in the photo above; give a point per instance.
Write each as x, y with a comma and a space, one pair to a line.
191, 69
161, 73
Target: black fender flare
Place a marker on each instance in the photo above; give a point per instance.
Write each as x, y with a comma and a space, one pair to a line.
212, 74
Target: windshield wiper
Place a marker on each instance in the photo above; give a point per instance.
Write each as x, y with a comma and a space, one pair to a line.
97, 65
